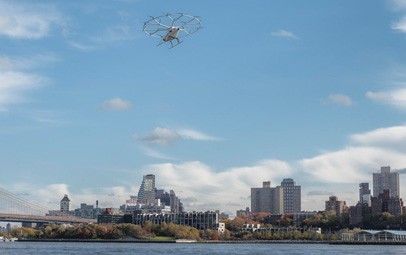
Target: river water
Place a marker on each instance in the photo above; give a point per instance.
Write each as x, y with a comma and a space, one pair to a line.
28, 248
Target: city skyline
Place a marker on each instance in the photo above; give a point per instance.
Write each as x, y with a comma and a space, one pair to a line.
311, 91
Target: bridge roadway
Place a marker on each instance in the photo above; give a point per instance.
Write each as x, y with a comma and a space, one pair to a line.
43, 219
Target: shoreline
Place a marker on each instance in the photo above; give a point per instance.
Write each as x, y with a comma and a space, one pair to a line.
337, 242
175, 241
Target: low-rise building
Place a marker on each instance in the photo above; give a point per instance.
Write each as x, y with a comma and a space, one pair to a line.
87, 211
199, 220
243, 213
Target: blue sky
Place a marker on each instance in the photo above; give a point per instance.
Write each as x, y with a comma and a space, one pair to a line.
310, 90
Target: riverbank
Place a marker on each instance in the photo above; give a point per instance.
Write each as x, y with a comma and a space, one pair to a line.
175, 241
368, 242
337, 242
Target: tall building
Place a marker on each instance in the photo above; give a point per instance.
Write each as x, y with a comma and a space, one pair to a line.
335, 205
146, 193
385, 203
364, 193
267, 199
65, 204
385, 180
291, 196
176, 205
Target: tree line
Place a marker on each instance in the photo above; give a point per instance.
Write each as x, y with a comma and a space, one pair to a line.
330, 224
114, 231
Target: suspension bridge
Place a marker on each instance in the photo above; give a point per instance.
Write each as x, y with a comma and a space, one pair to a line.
16, 209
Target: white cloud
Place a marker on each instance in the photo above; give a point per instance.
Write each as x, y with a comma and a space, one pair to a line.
390, 136
400, 25
112, 35
167, 137
351, 164
117, 104
202, 188
13, 86
38, 61
82, 47
340, 99
395, 98
30, 21
398, 5
156, 154
161, 137
284, 33
195, 135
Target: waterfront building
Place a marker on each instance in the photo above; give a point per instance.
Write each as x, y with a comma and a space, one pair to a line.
385, 180
301, 216
267, 199
108, 216
291, 196
335, 205
382, 236
199, 220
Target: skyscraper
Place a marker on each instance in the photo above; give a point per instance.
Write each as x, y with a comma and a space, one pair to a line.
267, 199
291, 196
146, 193
364, 193
385, 180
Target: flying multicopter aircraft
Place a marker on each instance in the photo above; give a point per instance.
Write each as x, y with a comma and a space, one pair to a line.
172, 27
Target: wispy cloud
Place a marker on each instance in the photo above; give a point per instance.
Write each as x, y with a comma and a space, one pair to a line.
28, 21
339, 99
13, 86
390, 136
395, 98
82, 47
16, 78
196, 135
117, 103
167, 137
161, 137
110, 36
398, 5
8, 63
400, 25
156, 154
368, 151
323, 193
284, 33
